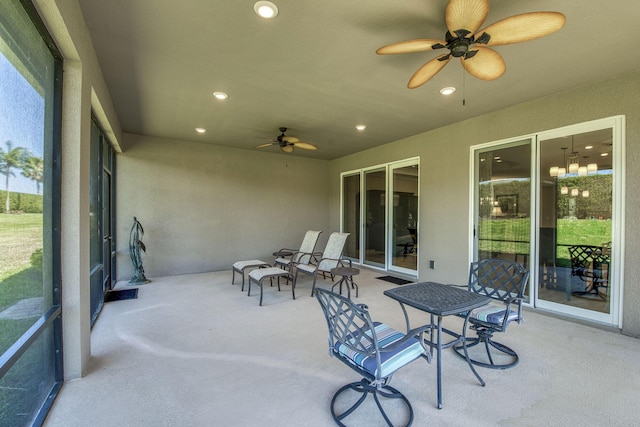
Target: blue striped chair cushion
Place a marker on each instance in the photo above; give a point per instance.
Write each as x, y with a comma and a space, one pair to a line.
390, 361
492, 314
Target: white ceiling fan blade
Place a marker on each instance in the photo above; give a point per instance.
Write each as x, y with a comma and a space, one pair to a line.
466, 15
305, 145
522, 28
409, 46
487, 64
427, 71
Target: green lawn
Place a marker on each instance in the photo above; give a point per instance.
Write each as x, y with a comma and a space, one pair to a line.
512, 235
21, 278
20, 269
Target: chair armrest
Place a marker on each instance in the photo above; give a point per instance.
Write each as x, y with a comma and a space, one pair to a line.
413, 333
301, 255
342, 260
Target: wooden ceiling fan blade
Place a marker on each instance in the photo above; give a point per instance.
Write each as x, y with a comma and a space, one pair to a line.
287, 148
409, 46
268, 144
487, 64
305, 145
290, 139
428, 70
466, 14
522, 28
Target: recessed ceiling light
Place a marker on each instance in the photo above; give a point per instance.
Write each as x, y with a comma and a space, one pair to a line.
447, 90
265, 9
201, 130
604, 154
588, 147
361, 127
220, 95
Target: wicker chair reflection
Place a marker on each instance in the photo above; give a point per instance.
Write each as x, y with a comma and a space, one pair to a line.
591, 265
373, 349
504, 282
331, 258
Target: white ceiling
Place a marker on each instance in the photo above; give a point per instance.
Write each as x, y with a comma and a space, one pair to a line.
314, 69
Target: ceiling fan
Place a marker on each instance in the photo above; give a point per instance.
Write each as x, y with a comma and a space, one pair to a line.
288, 143
464, 41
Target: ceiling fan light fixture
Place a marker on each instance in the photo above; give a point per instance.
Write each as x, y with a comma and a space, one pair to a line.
447, 90
265, 9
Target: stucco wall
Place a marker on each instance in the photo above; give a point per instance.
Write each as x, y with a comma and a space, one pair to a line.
444, 174
204, 207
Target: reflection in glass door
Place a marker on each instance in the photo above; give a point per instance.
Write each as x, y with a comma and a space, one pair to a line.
375, 184
404, 217
503, 203
351, 215
576, 227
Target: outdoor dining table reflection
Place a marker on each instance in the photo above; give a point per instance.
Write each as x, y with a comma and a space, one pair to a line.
438, 300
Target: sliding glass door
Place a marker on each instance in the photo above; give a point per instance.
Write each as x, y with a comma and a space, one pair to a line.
375, 202
404, 217
380, 211
562, 219
503, 202
351, 215
577, 219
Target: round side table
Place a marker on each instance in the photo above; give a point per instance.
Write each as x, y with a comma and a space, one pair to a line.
346, 274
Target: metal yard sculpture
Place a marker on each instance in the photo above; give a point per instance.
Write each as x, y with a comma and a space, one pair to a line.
136, 246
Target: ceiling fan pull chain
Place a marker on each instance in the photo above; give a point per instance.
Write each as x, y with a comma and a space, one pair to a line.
464, 88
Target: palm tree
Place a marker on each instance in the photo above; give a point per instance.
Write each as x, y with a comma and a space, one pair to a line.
33, 168
12, 158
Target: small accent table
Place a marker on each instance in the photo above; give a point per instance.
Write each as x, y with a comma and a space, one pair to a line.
347, 274
438, 300
282, 254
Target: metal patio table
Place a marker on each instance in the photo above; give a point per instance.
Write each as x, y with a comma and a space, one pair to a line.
438, 300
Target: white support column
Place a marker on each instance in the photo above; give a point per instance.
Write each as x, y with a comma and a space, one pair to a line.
76, 135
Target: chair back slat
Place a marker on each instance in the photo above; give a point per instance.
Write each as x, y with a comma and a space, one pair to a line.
307, 247
333, 251
498, 279
349, 323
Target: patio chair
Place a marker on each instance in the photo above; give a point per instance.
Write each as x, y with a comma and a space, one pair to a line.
504, 282
372, 349
331, 258
591, 265
302, 255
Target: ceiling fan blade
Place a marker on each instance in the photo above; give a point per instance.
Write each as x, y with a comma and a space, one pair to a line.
287, 148
522, 28
268, 144
427, 71
305, 145
408, 46
291, 139
487, 64
466, 15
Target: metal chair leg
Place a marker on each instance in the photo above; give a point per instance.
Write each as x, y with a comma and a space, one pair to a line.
365, 388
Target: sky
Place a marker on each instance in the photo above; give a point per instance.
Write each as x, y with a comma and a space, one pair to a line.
21, 121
